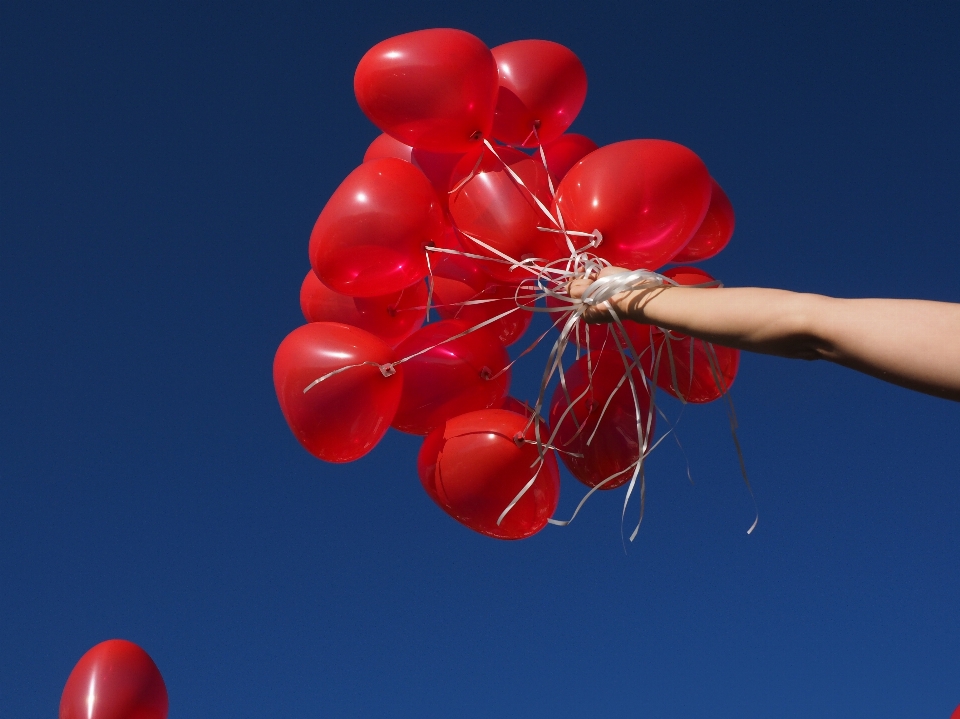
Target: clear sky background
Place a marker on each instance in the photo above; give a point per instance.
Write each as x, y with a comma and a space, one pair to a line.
162, 165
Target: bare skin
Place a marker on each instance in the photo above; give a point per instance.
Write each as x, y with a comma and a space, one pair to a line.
911, 343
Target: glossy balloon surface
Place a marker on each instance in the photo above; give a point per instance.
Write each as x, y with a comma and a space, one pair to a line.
384, 145
714, 232
494, 209
512, 404
542, 85
456, 279
116, 679
343, 417
565, 152
392, 317
431, 89
495, 300
370, 238
647, 197
701, 371
436, 166
608, 413
475, 464
451, 378
702, 376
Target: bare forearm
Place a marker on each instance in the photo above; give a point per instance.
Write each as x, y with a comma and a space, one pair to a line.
913, 343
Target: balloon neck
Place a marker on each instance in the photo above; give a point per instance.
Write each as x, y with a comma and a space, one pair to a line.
388, 370
476, 136
519, 439
485, 373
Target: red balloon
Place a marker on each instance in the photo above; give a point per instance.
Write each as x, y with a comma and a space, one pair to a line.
493, 208
542, 86
956, 713
475, 464
703, 371
431, 89
614, 447
452, 378
701, 377
565, 152
386, 146
437, 166
647, 197
114, 680
512, 404
392, 317
456, 279
690, 276
370, 238
715, 231
495, 300
341, 418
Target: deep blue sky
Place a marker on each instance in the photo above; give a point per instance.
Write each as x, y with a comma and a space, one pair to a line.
162, 166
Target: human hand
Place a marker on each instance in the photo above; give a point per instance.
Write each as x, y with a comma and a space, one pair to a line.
598, 314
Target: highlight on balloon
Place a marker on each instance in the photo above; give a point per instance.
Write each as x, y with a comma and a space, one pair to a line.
472, 211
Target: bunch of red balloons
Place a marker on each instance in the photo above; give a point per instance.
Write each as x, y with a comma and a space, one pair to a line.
477, 203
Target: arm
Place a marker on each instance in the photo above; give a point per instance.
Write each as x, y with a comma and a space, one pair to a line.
912, 343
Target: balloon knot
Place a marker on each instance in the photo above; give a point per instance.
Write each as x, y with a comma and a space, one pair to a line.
485, 373
477, 135
519, 439
387, 369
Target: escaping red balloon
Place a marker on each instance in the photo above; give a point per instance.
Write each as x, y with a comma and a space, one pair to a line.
542, 88
647, 198
116, 679
432, 89
451, 377
474, 465
392, 317
343, 417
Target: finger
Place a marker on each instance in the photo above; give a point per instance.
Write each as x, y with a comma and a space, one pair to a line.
607, 271
577, 287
